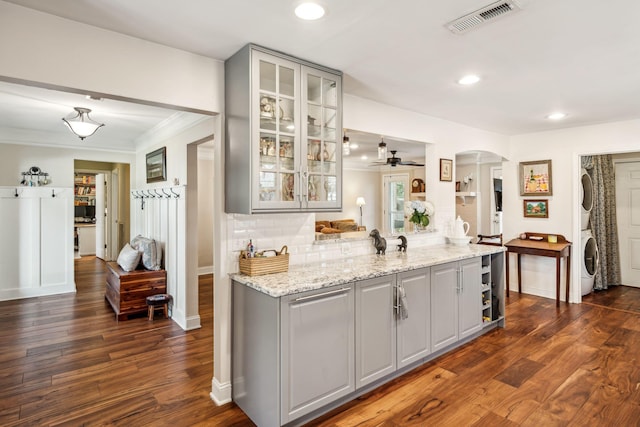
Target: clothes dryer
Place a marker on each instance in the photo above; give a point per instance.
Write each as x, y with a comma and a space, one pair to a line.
589, 260
587, 199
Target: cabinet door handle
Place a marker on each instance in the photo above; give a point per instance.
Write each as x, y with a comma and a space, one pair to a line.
323, 294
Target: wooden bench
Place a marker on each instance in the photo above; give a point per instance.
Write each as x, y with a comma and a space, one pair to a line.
127, 291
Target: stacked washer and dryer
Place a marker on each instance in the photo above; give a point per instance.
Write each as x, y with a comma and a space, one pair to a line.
588, 245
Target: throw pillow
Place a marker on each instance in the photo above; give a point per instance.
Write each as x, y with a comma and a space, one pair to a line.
129, 258
150, 250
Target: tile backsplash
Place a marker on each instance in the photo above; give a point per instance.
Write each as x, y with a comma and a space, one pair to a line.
297, 232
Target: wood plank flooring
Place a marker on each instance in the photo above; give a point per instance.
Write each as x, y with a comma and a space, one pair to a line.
65, 360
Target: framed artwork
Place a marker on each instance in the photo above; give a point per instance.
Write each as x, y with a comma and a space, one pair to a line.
536, 208
446, 170
157, 165
535, 178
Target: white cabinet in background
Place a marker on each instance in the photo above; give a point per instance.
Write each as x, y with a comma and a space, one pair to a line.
86, 240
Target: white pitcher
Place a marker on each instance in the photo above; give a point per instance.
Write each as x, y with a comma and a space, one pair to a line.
460, 228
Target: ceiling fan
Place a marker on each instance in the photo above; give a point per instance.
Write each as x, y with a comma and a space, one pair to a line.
394, 161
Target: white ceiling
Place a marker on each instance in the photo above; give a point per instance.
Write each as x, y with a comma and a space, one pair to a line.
578, 56
33, 115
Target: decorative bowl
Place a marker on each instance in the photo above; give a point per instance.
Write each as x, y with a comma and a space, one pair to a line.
459, 241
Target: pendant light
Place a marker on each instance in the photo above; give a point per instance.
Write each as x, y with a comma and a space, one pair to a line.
382, 150
346, 146
81, 124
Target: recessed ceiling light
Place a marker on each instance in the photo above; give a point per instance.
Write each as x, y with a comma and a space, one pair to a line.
557, 116
353, 146
469, 80
309, 11
364, 158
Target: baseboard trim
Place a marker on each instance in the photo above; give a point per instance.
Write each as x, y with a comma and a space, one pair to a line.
40, 291
193, 322
220, 392
205, 270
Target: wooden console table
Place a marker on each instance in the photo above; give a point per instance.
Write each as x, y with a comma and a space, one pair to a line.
541, 247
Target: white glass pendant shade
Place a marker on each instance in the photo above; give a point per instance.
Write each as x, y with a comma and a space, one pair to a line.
81, 124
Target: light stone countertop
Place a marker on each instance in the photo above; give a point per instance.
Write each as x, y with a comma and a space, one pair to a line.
301, 278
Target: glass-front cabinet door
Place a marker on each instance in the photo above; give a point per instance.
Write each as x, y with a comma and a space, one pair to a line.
283, 136
276, 102
321, 136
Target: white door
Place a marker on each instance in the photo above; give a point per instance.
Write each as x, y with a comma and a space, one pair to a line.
396, 192
628, 213
113, 217
100, 214
496, 201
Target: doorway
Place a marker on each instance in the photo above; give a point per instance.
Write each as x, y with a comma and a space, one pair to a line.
628, 214
101, 218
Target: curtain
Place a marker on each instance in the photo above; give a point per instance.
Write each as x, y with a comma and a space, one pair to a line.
603, 221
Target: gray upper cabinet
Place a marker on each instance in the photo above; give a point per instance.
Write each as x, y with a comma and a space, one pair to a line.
414, 332
375, 329
283, 134
317, 349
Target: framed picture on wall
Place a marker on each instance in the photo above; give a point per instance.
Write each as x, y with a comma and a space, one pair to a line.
446, 170
535, 178
536, 208
157, 165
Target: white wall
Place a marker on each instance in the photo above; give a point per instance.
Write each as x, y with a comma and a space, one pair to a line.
564, 148
46, 49
56, 161
445, 138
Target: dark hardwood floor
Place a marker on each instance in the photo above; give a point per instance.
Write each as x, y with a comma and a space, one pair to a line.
64, 360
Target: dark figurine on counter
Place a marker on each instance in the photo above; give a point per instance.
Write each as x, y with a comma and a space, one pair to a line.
402, 247
380, 243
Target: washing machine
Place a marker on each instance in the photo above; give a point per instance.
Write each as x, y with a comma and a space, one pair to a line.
587, 199
589, 261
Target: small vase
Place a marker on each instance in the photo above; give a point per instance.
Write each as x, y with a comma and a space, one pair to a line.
418, 228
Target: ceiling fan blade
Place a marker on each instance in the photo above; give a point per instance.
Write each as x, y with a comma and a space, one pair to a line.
410, 163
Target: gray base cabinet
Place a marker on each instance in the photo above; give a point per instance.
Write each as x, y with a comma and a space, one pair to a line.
299, 355
456, 302
414, 332
375, 329
317, 349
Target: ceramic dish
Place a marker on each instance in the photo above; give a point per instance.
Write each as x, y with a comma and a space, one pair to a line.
459, 241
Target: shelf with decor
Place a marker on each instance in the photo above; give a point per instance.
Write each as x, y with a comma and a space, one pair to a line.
84, 190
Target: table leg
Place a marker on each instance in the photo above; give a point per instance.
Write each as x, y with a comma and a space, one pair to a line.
558, 280
519, 276
507, 266
568, 264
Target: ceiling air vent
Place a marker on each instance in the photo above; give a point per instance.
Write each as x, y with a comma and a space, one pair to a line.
482, 16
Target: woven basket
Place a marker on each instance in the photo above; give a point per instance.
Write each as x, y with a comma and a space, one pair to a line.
258, 266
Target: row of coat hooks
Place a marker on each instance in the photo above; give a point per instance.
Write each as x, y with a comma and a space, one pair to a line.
17, 193
154, 194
